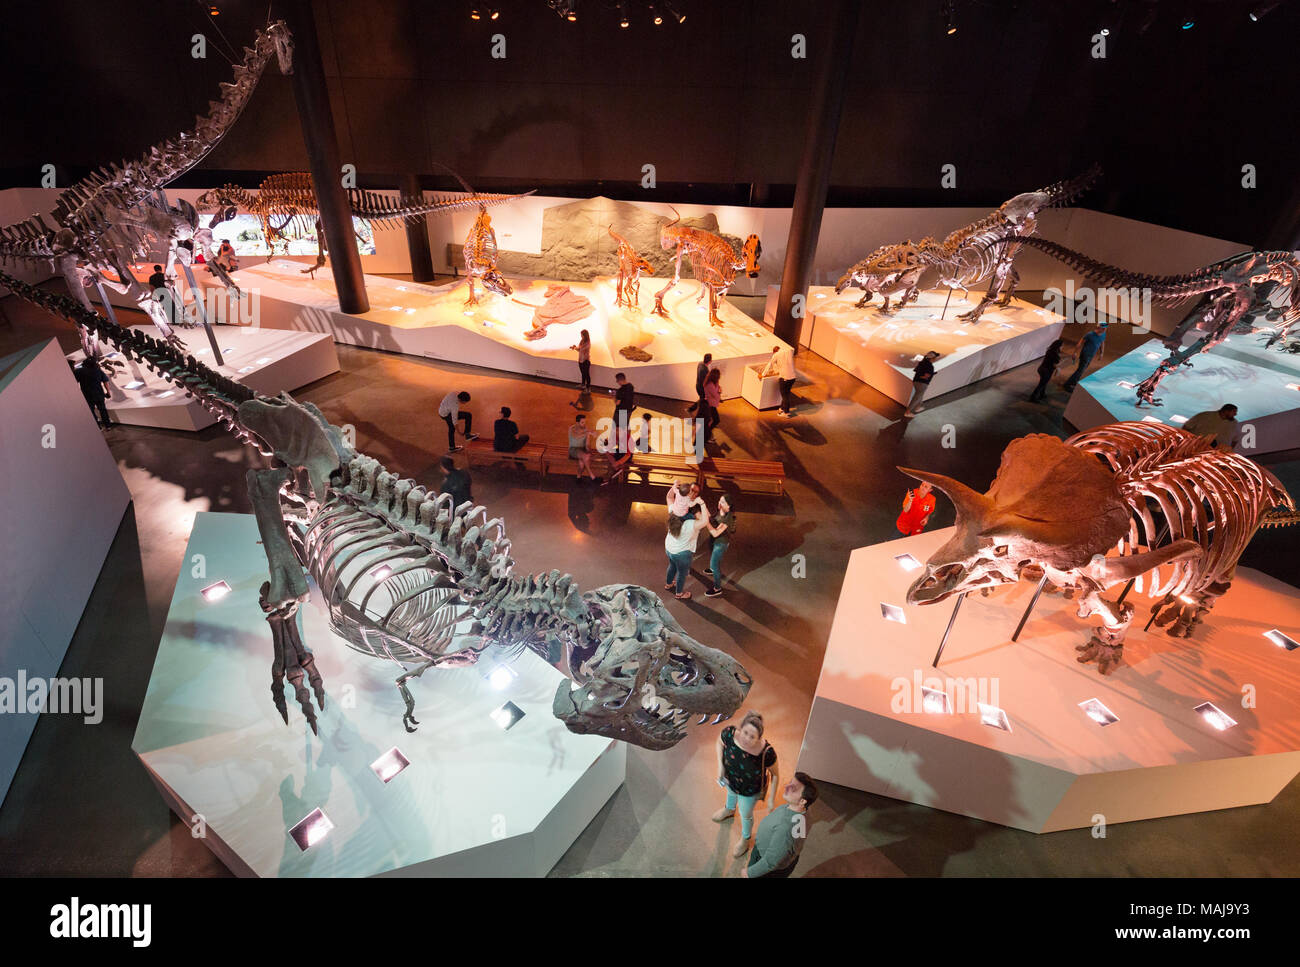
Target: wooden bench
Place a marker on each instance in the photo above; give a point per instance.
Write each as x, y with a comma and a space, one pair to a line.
761, 474
673, 466
531, 456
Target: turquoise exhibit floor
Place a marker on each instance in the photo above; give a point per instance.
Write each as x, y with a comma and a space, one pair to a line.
81, 804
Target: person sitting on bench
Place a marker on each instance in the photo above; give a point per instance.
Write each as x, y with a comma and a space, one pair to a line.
505, 434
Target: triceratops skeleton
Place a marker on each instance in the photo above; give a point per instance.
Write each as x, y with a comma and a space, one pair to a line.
966, 257
115, 216
290, 199
713, 263
1231, 288
1102, 508
409, 578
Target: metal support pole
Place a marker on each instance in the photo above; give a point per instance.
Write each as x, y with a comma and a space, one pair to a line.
946, 300
1032, 601
417, 235
815, 168
103, 300
948, 630
312, 94
202, 311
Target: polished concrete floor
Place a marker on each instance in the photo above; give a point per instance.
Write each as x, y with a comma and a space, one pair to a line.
82, 805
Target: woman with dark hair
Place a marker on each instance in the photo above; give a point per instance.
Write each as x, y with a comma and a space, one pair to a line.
679, 545
721, 527
1046, 369
579, 446
712, 400
747, 770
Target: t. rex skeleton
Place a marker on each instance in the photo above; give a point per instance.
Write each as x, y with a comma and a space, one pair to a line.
409, 578
1101, 508
713, 263
1231, 288
630, 267
966, 257
290, 199
113, 217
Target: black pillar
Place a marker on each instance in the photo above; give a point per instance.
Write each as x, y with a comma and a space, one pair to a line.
312, 94
815, 168
417, 235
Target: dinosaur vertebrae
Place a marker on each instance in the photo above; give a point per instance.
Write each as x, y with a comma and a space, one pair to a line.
1211, 496
82, 207
292, 195
216, 393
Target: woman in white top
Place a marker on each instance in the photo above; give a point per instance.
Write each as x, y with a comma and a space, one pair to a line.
679, 545
583, 350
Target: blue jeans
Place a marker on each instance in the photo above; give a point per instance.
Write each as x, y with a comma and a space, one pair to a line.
715, 562
747, 804
679, 566
1084, 360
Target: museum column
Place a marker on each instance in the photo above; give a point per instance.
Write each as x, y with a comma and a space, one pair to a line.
312, 94
417, 234
815, 168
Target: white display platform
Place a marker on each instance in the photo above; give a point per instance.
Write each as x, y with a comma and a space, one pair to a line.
423, 320
1056, 768
63, 499
264, 360
1263, 383
761, 392
475, 800
881, 350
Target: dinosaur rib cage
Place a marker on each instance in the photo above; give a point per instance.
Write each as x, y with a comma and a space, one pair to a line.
389, 596
1213, 497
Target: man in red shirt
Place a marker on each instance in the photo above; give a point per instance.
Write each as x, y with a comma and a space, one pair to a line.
918, 505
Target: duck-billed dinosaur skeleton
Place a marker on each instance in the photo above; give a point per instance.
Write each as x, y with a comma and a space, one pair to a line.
290, 199
966, 257
1104, 507
1231, 288
713, 263
117, 215
409, 578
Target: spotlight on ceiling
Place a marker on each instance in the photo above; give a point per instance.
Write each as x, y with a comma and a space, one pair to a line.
1260, 10
474, 14
656, 15
950, 17
215, 11
1105, 31
495, 14
622, 15
1188, 23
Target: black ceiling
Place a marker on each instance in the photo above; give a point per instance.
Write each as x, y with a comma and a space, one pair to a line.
1013, 99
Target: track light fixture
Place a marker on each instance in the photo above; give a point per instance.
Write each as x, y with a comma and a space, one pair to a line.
672, 12
950, 17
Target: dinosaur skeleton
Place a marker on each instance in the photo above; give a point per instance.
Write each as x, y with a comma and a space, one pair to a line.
1231, 288
407, 577
630, 267
116, 215
481, 259
1104, 507
713, 263
966, 257
290, 199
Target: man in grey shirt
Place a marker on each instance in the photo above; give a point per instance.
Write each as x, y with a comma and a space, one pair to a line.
780, 836
1219, 425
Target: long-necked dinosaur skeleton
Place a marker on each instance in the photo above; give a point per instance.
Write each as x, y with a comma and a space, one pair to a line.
965, 257
713, 263
411, 579
1103, 507
289, 199
1231, 288
118, 215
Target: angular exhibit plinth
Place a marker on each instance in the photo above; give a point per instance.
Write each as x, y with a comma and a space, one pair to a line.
63, 499
264, 360
433, 321
475, 799
1054, 767
1263, 383
881, 350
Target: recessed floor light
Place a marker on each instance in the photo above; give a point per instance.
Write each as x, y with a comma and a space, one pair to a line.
935, 702
311, 830
892, 612
215, 592
994, 717
1215, 716
1099, 713
390, 764
1282, 640
507, 715
907, 562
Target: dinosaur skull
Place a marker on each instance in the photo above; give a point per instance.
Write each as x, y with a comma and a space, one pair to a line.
494, 281
283, 41
646, 677
1016, 209
1051, 504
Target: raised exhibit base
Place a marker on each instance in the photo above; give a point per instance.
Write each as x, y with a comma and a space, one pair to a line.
474, 801
63, 499
1056, 768
264, 360
433, 321
881, 350
1263, 383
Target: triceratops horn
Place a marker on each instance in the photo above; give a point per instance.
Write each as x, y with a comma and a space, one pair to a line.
967, 501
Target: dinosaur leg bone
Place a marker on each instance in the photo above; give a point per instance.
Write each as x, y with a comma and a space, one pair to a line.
1106, 646
291, 660
659, 309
